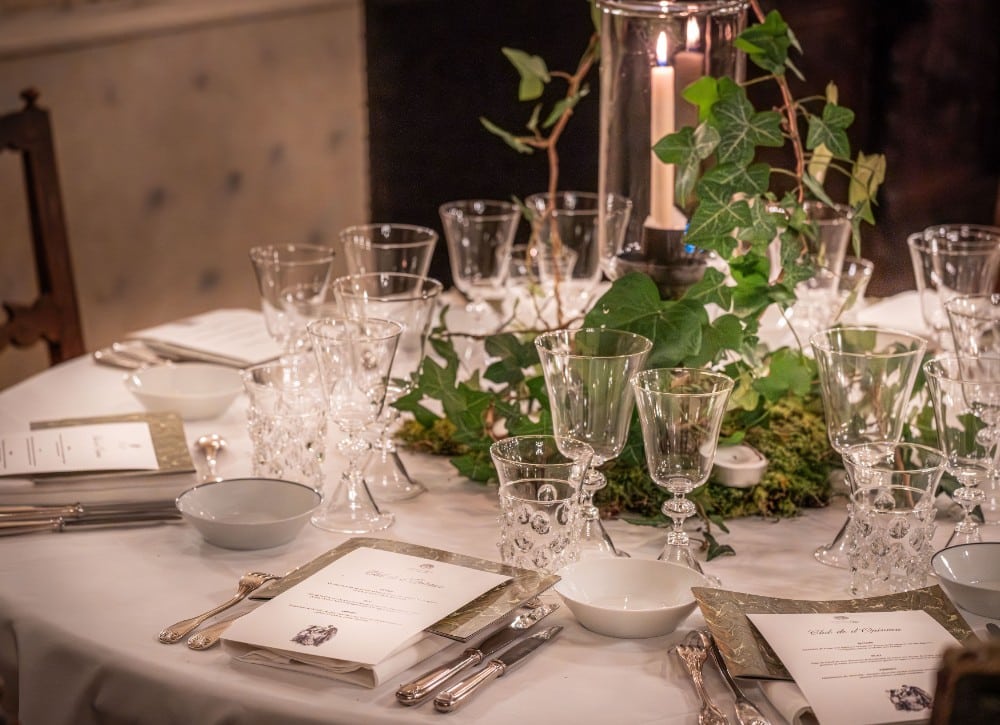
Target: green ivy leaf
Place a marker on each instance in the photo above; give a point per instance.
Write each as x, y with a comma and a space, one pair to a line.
563, 105
475, 466
766, 44
703, 93
629, 298
534, 73
724, 334
790, 372
510, 139
829, 130
716, 217
687, 149
866, 177
741, 128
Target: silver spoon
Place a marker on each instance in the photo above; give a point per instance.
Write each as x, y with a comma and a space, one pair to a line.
211, 446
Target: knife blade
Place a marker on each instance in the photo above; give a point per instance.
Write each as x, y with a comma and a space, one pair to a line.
454, 696
415, 692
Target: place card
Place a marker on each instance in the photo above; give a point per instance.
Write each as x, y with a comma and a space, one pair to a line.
237, 338
102, 447
357, 612
860, 667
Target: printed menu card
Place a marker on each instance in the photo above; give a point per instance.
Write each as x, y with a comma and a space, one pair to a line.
860, 667
104, 447
363, 615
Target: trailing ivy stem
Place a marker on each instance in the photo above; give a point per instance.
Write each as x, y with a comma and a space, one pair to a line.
791, 121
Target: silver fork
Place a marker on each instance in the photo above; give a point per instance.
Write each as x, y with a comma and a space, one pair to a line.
248, 582
693, 654
746, 712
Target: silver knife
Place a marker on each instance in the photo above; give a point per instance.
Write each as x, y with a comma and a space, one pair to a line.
413, 693
746, 712
59, 523
38, 512
455, 695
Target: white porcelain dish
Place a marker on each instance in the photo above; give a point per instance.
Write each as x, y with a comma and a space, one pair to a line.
195, 390
248, 513
629, 597
970, 573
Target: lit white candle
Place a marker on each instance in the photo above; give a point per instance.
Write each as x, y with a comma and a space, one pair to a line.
661, 175
690, 66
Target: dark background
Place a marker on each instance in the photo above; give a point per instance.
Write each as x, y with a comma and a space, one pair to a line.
922, 76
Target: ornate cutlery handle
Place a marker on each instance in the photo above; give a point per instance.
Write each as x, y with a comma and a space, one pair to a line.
693, 661
746, 712
176, 632
420, 689
211, 635
455, 695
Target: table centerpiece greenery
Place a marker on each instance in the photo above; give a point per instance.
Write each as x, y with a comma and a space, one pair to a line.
738, 207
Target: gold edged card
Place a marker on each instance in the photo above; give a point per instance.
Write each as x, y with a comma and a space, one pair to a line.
165, 429
496, 605
748, 654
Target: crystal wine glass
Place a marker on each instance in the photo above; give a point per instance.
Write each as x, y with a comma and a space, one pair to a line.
587, 373
680, 410
354, 357
866, 377
951, 260
480, 234
975, 323
301, 269
411, 301
966, 396
388, 247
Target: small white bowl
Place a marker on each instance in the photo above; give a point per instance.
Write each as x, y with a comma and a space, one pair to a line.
194, 390
629, 597
970, 573
248, 513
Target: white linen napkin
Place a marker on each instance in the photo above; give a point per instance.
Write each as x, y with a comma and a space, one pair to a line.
788, 700
412, 652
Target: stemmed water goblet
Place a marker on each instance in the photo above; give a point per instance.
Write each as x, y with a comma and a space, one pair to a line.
966, 396
574, 232
680, 411
411, 301
300, 270
480, 234
975, 323
587, 373
388, 247
866, 377
354, 358
951, 260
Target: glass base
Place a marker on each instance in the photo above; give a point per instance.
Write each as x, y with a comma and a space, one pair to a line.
835, 553
352, 510
965, 532
596, 543
388, 479
678, 554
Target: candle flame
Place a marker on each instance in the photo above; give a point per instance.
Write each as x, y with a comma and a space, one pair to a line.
661, 48
693, 34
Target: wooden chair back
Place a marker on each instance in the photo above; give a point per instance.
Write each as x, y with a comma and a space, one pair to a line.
54, 316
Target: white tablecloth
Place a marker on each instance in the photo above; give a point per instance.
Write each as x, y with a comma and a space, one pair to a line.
79, 611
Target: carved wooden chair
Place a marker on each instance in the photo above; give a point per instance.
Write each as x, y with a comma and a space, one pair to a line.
54, 316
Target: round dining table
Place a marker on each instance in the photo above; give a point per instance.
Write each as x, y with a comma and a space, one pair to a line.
80, 610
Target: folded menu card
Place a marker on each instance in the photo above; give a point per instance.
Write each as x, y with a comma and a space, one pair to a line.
228, 337
748, 654
871, 660
84, 457
361, 617
491, 608
860, 667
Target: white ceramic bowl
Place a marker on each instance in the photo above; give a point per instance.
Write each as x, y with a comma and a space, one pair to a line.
629, 597
194, 390
970, 573
248, 513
